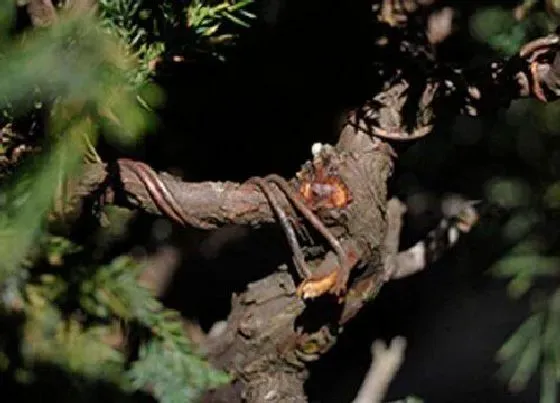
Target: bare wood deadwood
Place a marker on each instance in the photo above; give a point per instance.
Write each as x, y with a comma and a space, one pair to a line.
385, 362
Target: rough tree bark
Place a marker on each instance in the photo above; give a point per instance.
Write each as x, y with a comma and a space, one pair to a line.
272, 332
270, 335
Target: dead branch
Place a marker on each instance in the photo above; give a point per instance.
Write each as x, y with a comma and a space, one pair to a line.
460, 217
385, 362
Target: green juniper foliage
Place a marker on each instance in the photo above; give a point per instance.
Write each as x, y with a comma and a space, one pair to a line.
534, 260
91, 74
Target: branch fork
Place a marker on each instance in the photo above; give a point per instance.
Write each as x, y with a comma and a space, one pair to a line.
340, 195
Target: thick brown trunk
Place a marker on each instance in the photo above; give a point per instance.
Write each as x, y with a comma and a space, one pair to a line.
271, 332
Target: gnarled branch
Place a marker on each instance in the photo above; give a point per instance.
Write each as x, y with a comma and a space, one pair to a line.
272, 333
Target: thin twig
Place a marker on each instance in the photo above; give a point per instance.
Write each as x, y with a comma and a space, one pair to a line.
385, 362
461, 216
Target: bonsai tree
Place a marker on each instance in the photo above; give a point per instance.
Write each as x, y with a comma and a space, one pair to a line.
101, 99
